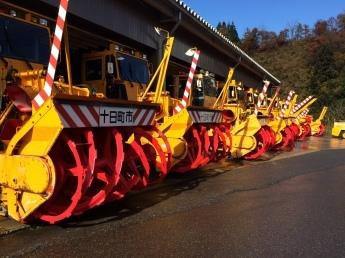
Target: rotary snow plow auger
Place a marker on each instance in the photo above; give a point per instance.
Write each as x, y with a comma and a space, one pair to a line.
263, 111
195, 134
267, 109
280, 121
249, 139
283, 131
288, 125
318, 128
66, 154
299, 120
69, 153
57, 164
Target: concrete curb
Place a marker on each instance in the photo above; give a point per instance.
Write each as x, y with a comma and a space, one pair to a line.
8, 226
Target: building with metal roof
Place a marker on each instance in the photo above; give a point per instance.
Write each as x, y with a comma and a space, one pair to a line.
132, 23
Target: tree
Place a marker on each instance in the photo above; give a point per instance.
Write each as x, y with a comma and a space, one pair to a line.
229, 31
250, 40
323, 74
341, 22
222, 28
233, 34
323, 63
283, 37
332, 24
306, 31
266, 40
320, 28
292, 31
298, 31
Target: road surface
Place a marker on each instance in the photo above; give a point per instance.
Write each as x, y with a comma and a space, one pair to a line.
286, 205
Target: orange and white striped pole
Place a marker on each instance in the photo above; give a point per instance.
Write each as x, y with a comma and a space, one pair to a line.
188, 89
286, 105
301, 104
306, 112
261, 96
46, 92
303, 114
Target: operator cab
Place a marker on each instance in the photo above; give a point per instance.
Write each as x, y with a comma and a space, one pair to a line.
24, 47
204, 88
116, 72
24, 54
249, 99
236, 94
209, 89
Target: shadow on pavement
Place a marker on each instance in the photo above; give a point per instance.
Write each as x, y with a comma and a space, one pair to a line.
138, 201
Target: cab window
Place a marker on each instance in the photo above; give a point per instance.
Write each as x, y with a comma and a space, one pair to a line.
24, 41
133, 69
93, 70
210, 86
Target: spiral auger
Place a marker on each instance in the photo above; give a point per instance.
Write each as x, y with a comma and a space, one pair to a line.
322, 130
220, 143
271, 135
108, 166
74, 157
263, 144
286, 125
206, 146
306, 131
318, 127
135, 171
288, 140
193, 157
214, 143
295, 129
159, 159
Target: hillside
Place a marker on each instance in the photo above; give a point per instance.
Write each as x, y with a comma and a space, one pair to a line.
312, 66
309, 60
289, 63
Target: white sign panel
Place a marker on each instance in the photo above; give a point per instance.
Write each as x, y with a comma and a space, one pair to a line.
122, 116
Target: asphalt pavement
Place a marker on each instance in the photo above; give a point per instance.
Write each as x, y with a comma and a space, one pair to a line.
285, 205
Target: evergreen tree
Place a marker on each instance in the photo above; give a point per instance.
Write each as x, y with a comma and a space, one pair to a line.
233, 34
229, 31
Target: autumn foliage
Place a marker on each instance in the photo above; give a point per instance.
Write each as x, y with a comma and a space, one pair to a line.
310, 60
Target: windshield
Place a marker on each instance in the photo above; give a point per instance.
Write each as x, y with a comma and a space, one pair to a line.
133, 69
93, 69
232, 94
20, 40
210, 86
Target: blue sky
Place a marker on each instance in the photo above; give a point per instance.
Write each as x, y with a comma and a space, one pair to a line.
266, 14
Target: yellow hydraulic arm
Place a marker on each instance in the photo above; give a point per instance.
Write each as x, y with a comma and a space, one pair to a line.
271, 105
160, 72
323, 113
223, 96
308, 104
